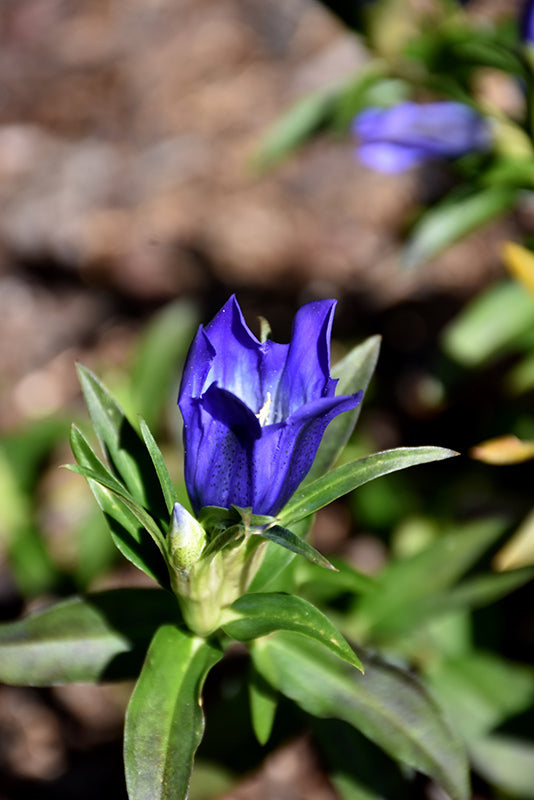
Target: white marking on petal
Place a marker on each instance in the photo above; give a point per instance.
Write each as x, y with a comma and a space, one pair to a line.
263, 414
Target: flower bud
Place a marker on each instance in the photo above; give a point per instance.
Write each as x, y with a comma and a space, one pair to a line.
186, 539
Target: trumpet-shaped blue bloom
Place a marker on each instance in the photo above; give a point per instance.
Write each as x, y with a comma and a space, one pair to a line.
255, 412
395, 139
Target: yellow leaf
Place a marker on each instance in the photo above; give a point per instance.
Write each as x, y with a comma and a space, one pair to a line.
519, 551
520, 263
503, 450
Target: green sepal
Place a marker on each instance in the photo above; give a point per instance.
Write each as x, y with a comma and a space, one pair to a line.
164, 720
256, 615
387, 704
102, 636
313, 496
290, 541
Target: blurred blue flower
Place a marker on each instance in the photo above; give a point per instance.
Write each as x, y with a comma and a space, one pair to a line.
395, 139
526, 22
255, 412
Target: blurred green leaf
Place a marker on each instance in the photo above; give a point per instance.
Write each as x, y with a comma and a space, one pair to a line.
490, 324
452, 219
102, 636
162, 349
263, 700
297, 126
410, 589
481, 690
505, 762
386, 704
354, 373
255, 615
327, 109
165, 721
310, 498
122, 446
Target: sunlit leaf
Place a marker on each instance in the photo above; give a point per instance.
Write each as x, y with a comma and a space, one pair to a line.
255, 615
310, 498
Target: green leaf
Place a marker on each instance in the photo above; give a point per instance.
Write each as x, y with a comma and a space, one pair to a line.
162, 349
102, 636
310, 498
388, 705
451, 220
275, 561
164, 721
306, 118
490, 325
263, 701
483, 589
255, 615
122, 445
290, 541
481, 690
139, 513
410, 590
131, 538
353, 373
167, 486
507, 763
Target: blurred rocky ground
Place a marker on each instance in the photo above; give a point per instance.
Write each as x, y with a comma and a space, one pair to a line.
127, 131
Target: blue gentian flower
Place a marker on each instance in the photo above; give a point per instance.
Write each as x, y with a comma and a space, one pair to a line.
395, 139
255, 412
526, 22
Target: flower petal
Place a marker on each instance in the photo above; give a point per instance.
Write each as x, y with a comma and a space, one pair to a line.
220, 435
197, 366
390, 158
238, 355
285, 452
306, 375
